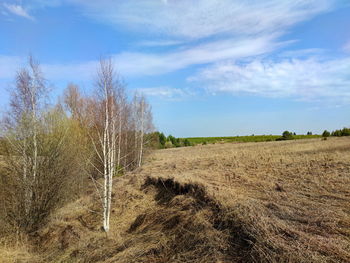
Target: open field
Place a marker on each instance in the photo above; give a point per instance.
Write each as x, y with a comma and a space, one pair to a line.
283, 201
252, 138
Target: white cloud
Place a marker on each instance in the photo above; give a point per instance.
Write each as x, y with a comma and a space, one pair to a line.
238, 30
303, 53
310, 79
166, 92
132, 63
18, 10
159, 43
307, 79
194, 19
147, 64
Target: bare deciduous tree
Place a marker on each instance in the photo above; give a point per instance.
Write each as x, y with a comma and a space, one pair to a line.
142, 116
113, 121
105, 134
39, 155
27, 101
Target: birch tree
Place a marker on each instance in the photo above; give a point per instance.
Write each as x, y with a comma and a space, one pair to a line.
142, 117
106, 133
27, 101
39, 159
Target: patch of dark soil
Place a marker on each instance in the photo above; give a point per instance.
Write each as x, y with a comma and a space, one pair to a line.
169, 188
197, 228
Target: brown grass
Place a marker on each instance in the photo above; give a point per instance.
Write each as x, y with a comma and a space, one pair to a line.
254, 202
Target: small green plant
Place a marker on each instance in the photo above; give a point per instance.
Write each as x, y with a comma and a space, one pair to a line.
119, 171
168, 144
187, 142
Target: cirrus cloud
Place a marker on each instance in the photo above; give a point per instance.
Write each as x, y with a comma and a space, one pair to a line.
195, 19
307, 79
18, 10
166, 92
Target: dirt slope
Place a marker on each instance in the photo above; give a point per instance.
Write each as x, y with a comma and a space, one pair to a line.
252, 202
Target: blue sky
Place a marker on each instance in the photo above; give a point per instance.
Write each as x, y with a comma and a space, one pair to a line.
208, 67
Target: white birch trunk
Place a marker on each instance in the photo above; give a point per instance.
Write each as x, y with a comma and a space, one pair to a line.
119, 137
30, 182
105, 164
142, 131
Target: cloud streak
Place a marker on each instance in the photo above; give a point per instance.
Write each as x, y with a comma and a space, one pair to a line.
166, 92
196, 19
18, 10
307, 79
132, 63
227, 37
150, 64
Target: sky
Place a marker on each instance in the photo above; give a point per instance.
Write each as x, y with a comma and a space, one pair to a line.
207, 67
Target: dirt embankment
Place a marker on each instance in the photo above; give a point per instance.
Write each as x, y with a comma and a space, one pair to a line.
166, 222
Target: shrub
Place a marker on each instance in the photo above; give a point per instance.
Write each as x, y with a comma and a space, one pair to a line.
119, 171
168, 144
187, 142
286, 135
342, 132
337, 133
177, 142
345, 132
172, 139
162, 139
326, 134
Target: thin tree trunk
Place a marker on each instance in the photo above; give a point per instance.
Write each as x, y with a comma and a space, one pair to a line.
142, 131
35, 147
119, 137
105, 164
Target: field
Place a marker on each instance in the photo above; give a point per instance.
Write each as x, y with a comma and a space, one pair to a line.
252, 138
285, 201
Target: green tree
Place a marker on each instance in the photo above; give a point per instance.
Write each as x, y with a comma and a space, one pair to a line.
162, 139
177, 142
187, 142
286, 135
326, 134
345, 132
337, 133
172, 139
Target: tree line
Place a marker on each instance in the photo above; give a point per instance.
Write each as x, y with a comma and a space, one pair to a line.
286, 135
163, 142
52, 152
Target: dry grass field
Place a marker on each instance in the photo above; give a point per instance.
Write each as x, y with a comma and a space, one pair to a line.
283, 201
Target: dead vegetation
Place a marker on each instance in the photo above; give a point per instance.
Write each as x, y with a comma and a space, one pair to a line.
254, 202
